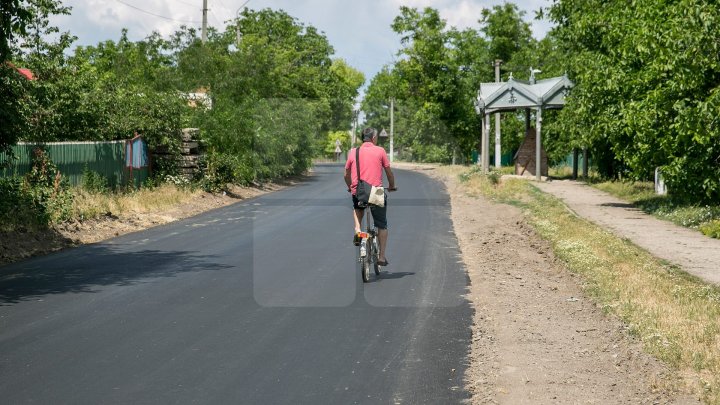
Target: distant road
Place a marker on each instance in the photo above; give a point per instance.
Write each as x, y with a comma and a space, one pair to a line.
256, 303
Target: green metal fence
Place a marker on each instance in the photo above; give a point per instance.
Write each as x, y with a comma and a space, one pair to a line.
568, 161
71, 158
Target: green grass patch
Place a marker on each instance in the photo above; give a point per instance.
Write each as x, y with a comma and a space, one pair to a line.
706, 218
676, 316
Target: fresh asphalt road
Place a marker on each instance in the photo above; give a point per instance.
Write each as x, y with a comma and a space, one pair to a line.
260, 302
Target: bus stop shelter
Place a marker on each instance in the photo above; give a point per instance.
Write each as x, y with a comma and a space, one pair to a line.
514, 95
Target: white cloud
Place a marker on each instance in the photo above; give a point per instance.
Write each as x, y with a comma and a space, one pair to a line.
463, 15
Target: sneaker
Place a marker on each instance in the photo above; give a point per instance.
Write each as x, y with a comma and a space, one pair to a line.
356, 239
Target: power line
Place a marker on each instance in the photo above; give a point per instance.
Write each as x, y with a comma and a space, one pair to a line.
224, 6
186, 3
157, 15
216, 17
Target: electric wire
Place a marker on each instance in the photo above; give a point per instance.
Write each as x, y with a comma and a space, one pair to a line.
157, 15
187, 4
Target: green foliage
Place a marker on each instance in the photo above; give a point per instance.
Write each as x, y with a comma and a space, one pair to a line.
275, 97
14, 17
17, 209
13, 107
647, 92
494, 177
44, 193
94, 182
436, 79
275, 93
332, 138
510, 38
711, 229
35, 46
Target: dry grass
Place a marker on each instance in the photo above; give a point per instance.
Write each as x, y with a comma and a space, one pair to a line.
87, 205
674, 315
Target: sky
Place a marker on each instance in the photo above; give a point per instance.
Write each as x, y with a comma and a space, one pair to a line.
359, 30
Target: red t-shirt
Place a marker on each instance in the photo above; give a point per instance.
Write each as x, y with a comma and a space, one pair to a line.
373, 160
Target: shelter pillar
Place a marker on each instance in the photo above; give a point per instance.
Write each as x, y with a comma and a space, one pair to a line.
486, 146
538, 145
498, 150
482, 141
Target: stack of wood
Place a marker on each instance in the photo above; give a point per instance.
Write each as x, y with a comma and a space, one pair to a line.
526, 157
188, 162
189, 159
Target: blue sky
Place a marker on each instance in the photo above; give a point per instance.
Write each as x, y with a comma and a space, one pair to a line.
358, 30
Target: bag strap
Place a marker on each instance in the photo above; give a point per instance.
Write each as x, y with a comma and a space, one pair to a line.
357, 162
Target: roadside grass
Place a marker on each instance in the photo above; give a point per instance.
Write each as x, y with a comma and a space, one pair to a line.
706, 218
88, 205
675, 316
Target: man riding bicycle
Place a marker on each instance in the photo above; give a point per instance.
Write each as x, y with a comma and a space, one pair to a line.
373, 160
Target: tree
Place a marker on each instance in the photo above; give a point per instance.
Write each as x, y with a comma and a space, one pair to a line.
13, 107
38, 51
509, 37
647, 90
14, 17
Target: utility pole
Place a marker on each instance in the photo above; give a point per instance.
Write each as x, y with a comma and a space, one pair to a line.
237, 21
204, 22
392, 128
498, 162
354, 129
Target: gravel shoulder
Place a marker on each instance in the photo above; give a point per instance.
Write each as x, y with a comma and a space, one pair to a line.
536, 338
16, 246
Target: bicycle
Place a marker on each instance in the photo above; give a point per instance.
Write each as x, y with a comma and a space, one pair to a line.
369, 249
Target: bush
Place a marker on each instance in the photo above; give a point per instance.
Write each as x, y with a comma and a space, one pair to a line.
711, 229
494, 177
94, 182
17, 210
48, 191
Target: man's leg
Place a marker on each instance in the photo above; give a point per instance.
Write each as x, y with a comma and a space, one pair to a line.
382, 238
357, 217
380, 218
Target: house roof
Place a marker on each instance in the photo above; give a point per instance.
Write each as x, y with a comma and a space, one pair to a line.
27, 73
515, 94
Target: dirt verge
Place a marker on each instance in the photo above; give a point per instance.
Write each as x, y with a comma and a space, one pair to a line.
536, 338
15, 246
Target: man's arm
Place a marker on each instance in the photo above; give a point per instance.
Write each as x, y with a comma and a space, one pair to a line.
348, 178
391, 179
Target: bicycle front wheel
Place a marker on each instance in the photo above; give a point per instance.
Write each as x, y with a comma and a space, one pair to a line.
375, 254
364, 263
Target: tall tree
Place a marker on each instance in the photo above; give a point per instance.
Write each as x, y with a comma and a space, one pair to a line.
509, 36
648, 88
37, 47
14, 17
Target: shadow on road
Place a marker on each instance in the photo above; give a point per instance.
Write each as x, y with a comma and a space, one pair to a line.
94, 266
386, 275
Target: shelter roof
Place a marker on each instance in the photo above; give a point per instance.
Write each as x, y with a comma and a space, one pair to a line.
516, 94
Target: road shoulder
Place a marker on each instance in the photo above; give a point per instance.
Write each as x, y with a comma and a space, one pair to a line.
536, 337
